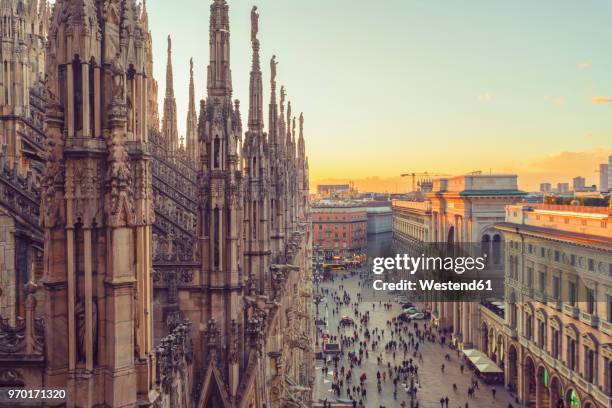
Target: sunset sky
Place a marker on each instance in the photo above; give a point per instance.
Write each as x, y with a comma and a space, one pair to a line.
400, 85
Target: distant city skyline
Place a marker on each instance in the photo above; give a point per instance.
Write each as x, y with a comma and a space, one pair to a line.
418, 86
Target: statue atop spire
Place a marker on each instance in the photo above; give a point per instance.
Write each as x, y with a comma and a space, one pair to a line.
255, 84
254, 23
273, 65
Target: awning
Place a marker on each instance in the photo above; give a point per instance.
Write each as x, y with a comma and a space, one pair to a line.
469, 352
488, 368
482, 363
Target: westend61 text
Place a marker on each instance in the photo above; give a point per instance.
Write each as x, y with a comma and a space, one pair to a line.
428, 285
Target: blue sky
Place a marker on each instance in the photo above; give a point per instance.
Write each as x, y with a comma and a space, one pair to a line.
393, 86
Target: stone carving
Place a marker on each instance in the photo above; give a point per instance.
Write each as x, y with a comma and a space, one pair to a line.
234, 342
52, 180
80, 327
174, 355
118, 74
11, 378
273, 65
119, 205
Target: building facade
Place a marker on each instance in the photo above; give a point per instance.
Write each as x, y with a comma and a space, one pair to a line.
380, 219
459, 210
578, 183
339, 230
557, 331
164, 275
412, 221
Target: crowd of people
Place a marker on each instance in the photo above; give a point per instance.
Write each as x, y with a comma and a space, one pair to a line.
396, 347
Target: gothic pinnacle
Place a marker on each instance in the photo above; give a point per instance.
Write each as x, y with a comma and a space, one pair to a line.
169, 77
169, 128
192, 121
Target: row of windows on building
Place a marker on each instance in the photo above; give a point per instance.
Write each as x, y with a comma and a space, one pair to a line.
566, 220
556, 255
556, 286
550, 340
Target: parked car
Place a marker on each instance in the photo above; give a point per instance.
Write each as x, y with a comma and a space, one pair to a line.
411, 310
332, 348
346, 320
403, 317
417, 316
406, 305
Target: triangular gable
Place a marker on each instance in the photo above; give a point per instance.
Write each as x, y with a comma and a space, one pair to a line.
213, 388
249, 381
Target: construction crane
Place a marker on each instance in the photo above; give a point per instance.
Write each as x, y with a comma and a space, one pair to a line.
421, 174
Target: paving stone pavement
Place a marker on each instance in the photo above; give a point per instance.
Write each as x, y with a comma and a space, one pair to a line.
434, 384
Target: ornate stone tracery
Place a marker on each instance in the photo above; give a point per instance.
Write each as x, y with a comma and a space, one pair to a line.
156, 229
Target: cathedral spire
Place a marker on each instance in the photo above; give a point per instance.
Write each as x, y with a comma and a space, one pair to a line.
282, 130
145, 16
288, 129
219, 74
192, 120
273, 109
169, 76
255, 85
301, 143
169, 129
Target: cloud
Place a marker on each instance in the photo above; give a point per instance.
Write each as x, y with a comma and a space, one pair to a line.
601, 99
485, 97
585, 65
557, 167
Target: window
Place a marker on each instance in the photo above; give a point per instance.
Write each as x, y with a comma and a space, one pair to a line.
541, 334
590, 300
542, 282
530, 249
571, 353
609, 302
591, 265
573, 260
589, 365
556, 287
529, 326
556, 337
530, 276
542, 252
557, 256
572, 293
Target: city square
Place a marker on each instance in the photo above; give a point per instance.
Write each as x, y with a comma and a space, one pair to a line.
433, 383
